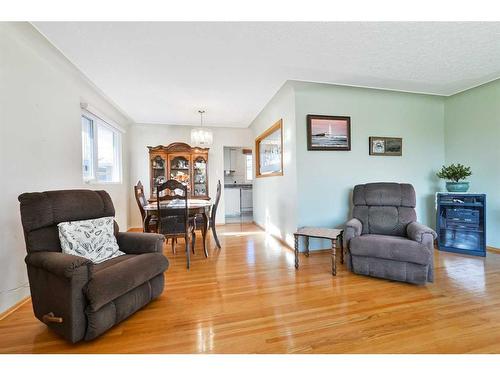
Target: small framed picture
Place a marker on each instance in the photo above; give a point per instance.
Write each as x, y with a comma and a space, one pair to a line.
328, 133
386, 146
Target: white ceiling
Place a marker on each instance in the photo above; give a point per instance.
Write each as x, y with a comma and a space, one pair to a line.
164, 72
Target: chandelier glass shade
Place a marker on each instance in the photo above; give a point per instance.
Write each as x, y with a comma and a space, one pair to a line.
201, 137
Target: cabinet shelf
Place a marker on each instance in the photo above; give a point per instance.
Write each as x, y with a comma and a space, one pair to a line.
456, 204
462, 230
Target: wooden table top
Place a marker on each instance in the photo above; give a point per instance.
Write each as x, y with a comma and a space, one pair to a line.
328, 233
178, 203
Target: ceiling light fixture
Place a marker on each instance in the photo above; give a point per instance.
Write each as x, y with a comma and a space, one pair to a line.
201, 137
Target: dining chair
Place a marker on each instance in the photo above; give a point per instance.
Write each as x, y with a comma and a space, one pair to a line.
213, 213
175, 222
211, 219
141, 202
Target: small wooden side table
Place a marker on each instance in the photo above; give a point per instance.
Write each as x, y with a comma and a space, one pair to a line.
335, 235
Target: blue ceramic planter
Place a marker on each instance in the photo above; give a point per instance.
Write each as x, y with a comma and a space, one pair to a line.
457, 187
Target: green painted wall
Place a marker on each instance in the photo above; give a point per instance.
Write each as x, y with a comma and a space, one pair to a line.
472, 137
325, 178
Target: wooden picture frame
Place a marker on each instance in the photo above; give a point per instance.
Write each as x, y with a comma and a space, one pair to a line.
328, 133
385, 146
269, 151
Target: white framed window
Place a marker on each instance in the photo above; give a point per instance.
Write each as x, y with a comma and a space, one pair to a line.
101, 150
249, 167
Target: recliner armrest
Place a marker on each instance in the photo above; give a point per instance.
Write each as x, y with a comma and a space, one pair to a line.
140, 243
57, 263
353, 228
416, 232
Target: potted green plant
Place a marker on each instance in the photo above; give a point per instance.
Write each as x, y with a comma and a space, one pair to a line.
455, 174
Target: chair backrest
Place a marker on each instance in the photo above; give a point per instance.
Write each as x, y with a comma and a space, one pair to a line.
41, 212
172, 220
216, 204
384, 207
140, 198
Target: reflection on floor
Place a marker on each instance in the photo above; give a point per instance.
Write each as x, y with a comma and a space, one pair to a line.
245, 217
248, 298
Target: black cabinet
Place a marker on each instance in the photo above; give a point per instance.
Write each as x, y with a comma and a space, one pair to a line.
461, 223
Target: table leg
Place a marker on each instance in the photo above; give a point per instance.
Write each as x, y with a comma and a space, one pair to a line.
341, 236
334, 263
188, 255
307, 246
296, 252
204, 232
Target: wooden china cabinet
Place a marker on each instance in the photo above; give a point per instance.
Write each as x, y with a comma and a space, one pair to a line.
181, 162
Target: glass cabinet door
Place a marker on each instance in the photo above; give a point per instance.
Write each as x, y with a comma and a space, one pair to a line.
158, 173
200, 183
461, 224
179, 170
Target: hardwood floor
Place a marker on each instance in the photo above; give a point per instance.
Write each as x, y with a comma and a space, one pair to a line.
248, 298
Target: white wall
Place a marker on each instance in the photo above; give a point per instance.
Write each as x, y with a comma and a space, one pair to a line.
143, 135
40, 140
275, 197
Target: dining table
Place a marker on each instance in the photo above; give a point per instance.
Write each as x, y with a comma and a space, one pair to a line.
196, 207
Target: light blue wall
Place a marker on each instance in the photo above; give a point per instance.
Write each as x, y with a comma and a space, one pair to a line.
317, 186
472, 137
325, 178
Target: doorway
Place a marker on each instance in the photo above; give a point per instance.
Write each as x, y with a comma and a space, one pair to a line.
238, 185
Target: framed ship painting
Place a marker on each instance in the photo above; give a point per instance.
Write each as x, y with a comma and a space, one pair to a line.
328, 133
269, 151
386, 146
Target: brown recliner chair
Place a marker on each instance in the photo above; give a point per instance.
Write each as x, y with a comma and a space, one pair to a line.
76, 298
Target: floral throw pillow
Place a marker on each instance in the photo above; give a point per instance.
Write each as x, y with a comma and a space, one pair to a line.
92, 239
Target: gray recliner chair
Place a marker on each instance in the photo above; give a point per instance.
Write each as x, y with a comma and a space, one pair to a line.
76, 298
384, 239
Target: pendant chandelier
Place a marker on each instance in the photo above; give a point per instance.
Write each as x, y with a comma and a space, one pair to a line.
201, 137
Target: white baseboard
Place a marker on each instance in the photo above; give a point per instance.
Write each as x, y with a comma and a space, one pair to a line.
10, 299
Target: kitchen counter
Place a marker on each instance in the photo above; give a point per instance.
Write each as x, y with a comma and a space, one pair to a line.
237, 186
238, 199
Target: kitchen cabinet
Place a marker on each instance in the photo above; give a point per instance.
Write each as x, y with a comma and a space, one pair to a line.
232, 202
227, 160
230, 155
